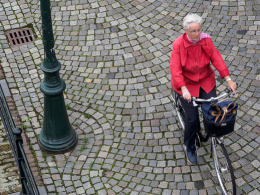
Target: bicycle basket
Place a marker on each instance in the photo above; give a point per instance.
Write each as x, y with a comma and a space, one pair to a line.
219, 119
220, 130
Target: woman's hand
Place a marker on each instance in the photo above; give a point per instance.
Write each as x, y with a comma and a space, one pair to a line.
185, 93
232, 85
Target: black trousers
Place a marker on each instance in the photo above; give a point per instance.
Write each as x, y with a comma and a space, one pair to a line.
192, 122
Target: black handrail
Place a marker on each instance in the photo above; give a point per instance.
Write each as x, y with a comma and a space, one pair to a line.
14, 135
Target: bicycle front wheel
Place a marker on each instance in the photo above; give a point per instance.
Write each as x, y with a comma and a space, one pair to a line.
224, 169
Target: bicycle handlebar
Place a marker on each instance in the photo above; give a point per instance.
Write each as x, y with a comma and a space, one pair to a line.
212, 99
227, 92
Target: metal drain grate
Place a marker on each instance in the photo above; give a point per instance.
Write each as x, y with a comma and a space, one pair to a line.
19, 37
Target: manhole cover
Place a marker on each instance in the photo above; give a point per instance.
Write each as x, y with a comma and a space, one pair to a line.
19, 37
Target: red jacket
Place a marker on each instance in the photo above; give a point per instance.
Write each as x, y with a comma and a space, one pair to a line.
192, 72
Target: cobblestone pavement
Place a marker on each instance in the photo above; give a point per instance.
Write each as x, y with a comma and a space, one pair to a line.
115, 62
9, 177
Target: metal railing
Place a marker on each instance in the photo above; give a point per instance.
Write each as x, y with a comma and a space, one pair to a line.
14, 135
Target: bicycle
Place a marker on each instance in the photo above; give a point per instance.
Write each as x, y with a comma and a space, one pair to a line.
222, 163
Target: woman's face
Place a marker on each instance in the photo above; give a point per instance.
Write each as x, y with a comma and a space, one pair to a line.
194, 31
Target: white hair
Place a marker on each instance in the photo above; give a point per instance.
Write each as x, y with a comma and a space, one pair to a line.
191, 18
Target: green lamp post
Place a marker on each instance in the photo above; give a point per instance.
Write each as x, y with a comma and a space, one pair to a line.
57, 135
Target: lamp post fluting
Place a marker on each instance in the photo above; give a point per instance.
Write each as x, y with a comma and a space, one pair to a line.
57, 135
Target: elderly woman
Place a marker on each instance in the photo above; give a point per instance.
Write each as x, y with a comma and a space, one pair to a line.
191, 74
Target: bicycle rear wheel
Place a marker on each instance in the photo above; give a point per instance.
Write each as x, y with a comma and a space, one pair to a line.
223, 169
180, 111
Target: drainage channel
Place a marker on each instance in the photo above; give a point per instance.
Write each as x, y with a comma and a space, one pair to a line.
19, 37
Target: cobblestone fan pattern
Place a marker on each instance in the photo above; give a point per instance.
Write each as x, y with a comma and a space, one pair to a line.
115, 62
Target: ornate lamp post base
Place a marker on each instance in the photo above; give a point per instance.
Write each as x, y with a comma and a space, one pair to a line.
58, 146
57, 135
